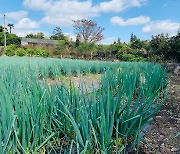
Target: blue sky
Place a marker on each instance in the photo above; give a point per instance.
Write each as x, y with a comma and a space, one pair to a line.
120, 18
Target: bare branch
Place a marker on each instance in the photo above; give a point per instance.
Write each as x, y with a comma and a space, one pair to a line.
88, 31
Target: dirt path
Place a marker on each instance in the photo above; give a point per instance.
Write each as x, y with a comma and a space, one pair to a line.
164, 136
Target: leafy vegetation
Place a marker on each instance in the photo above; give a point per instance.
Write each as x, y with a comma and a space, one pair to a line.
39, 118
14, 50
160, 48
11, 39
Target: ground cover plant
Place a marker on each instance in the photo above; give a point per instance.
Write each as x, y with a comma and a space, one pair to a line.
38, 117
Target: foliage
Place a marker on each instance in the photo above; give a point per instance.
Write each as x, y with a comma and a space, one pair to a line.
174, 43
13, 39
1, 28
131, 57
135, 43
63, 47
39, 35
11, 26
10, 50
159, 44
30, 51
116, 46
20, 52
10, 39
88, 31
13, 50
38, 118
103, 50
57, 34
86, 47
42, 52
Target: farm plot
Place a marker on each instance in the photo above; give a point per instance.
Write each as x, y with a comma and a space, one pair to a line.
46, 108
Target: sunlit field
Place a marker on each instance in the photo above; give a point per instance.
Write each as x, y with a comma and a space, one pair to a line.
44, 110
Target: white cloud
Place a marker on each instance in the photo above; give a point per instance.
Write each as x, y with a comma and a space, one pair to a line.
61, 13
16, 15
164, 26
70, 35
131, 21
119, 5
26, 26
26, 23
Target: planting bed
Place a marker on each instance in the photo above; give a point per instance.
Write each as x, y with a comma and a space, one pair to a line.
76, 106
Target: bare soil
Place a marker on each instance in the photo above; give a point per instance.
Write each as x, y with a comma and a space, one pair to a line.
164, 136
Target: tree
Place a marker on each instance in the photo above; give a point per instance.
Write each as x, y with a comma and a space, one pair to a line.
88, 30
57, 34
119, 40
39, 35
10, 39
160, 45
1, 28
31, 35
63, 47
77, 41
135, 43
174, 43
11, 26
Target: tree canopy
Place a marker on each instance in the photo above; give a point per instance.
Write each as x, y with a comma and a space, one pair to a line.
88, 31
39, 35
57, 34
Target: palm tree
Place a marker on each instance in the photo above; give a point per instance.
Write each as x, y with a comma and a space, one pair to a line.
11, 26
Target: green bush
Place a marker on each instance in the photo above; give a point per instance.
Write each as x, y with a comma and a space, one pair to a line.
10, 50
60, 47
103, 50
10, 39
130, 57
86, 47
42, 52
30, 51
20, 52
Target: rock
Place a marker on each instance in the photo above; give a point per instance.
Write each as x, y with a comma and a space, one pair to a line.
163, 132
161, 137
177, 70
158, 117
174, 149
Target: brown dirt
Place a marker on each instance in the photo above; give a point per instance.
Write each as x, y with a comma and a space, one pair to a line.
163, 137
89, 81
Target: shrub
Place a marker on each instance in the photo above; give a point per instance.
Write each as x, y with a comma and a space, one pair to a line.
130, 57
42, 52
10, 50
30, 51
103, 50
60, 47
86, 47
20, 52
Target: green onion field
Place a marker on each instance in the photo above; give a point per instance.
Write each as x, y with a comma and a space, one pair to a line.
38, 117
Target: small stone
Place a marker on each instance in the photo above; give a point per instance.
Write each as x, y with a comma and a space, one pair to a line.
162, 145
158, 117
177, 70
163, 132
161, 137
174, 149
